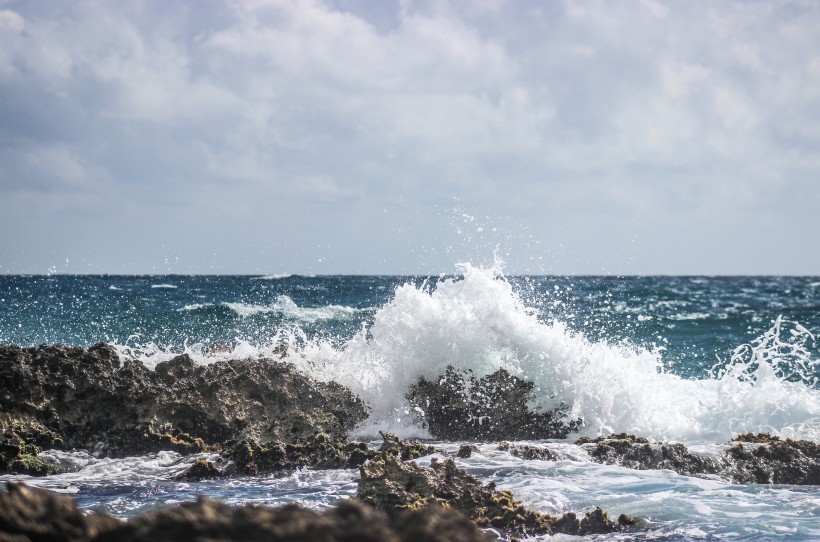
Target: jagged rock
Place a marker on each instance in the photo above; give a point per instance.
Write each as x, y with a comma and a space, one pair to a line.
438, 524
764, 459
459, 406
212, 520
201, 469
754, 459
540, 453
394, 486
320, 451
465, 451
405, 449
34, 515
75, 398
21, 441
614, 436
757, 438
638, 453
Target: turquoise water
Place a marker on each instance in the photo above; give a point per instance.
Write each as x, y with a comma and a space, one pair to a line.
698, 320
691, 359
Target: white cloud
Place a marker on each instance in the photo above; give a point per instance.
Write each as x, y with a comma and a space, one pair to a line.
657, 109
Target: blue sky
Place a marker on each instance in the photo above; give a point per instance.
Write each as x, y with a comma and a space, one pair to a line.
266, 136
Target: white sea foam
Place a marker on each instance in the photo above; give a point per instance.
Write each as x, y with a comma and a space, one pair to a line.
479, 323
165, 286
689, 316
277, 276
285, 306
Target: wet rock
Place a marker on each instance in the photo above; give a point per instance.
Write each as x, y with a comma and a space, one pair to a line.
21, 441
438, 524
76, 398
28, 514
393, 486
459, 406
639, 453
752, 459
762, 459
405, 449
756, 438
201, 469
212, 520
318, 452
465, 451
35, 515
540, 453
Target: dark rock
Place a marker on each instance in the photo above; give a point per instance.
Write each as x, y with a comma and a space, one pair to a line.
613, 436
774, 462
540, 453
638, 453
753, 459
62, 397
405, 449
438, 524
466, 450
320, 452
200, 470
21, 441
393, 486
459, 406
35, 515
756, 438
28, 514
207, 520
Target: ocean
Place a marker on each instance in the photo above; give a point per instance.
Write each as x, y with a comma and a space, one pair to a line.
694, 360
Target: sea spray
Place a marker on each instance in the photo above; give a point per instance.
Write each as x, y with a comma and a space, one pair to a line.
477, 322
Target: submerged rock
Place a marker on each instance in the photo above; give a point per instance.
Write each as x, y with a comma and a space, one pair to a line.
62, 397
201, 469
393, 486
639, 453
405, 449
465, 451
459, 406
523, 451
752, 458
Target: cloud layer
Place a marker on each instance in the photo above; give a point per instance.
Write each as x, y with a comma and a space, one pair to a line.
354, 137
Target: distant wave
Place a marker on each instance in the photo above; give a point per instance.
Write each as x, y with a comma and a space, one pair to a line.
277, 276
285, 306
689, 316
169, 286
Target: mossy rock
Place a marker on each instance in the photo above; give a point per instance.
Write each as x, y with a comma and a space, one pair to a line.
33, 465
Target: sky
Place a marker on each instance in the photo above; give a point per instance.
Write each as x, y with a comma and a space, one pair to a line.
401, 137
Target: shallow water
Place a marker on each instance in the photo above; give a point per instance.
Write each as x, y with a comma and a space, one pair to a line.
670, 506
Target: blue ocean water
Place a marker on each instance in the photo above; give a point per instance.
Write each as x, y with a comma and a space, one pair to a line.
698, 320
692, 359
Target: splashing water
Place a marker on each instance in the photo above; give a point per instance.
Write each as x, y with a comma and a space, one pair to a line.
477, 322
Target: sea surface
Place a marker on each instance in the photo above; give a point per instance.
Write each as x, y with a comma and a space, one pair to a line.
688, 359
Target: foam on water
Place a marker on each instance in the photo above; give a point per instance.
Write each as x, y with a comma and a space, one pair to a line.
285, 306
477, 322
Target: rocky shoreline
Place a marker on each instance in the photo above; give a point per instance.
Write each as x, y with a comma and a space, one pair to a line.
266, 417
